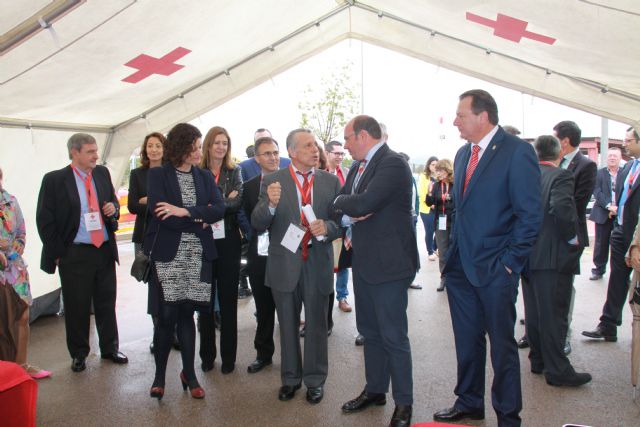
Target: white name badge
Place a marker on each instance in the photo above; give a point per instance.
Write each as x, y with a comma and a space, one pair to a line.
92, 221
218, 229
442, 222
263, 244
292, 238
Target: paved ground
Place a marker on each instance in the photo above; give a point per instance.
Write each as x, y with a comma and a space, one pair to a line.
106, 394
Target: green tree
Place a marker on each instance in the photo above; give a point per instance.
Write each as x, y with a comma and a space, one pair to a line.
328, 106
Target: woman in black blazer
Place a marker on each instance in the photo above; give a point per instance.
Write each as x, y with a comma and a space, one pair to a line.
226, 269
440, 198
151, 155
184, 200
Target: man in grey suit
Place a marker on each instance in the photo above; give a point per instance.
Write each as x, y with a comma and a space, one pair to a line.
300, 262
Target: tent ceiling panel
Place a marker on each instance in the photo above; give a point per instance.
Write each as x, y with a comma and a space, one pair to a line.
79, 79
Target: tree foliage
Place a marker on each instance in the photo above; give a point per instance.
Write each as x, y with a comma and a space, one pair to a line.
329, 105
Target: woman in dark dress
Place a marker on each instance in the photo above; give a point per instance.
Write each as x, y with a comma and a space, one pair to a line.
226, 269
151, 155
425, 181
184, 200
440, 198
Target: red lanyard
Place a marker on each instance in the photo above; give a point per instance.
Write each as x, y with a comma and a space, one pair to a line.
443, 194
632, 176
87, 185
544, 162
303, 195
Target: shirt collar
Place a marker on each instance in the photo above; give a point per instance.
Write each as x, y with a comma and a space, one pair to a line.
569, 156
373, 150
296, 170
484, 142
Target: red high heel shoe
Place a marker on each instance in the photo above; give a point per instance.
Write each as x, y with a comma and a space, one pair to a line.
197, 392
157, 391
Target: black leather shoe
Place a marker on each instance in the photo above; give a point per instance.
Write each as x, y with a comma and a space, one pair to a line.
116, 357
78, 364
364, 401
206, 366
360, 340
227, 368
303, 332
453, 414
575, 380
595, 276
537, 368
257, 365
609, 334
401, 416
151, 348
329, 331
523, 342
567, 348
287, 392
315, 394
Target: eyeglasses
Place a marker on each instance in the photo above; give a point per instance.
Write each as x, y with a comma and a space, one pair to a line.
346, 137
337, 153
630, 140
269, 154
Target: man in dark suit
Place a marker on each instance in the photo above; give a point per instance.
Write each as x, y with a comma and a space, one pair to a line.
546, 297
300, 261
267, 155
604, 210
496, 221
628, 202
76, 217
584, 173
376, 206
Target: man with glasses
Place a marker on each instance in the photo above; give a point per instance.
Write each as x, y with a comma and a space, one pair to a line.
335, 156
628, 202
267, 155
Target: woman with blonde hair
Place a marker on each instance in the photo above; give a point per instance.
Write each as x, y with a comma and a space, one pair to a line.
440, 198
426, 179
226, 269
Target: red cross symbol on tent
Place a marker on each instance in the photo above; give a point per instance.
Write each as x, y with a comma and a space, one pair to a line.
509, 28
148, 65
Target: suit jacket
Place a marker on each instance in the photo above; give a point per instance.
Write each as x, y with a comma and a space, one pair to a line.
58, 213
584, 173
163, 187
559, 225
251, 193
497, 220
230, 180
602, 193
384, 247
283, 266
138, 190
251, 168
631, 205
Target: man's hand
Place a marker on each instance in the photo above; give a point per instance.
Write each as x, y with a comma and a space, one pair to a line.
613, 211
233, 194
318, 228
274, 191
634, 258
108, 209
3, 259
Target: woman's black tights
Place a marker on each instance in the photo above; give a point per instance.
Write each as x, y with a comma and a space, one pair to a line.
168, 317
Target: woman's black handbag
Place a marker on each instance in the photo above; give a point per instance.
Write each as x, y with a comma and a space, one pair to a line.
141, 267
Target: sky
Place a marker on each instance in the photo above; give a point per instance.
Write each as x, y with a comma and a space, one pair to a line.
416, 100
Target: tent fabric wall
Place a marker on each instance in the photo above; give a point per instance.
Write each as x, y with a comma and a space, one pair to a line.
71, 74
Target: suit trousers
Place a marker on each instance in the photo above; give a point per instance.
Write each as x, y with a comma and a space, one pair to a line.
288, 306
618, 280
442, 239
546, 302
381, 317
265, 309
475, 312
226, 273
601, 247
88, 274
569, 279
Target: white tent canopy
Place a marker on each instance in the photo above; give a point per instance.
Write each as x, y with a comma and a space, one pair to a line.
122, 68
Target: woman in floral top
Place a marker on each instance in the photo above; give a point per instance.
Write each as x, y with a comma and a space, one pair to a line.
15, 293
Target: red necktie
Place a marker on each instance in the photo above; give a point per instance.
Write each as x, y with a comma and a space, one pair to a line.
305, 196
97, 236
472, 166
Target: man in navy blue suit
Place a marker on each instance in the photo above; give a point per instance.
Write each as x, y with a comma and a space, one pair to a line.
497, 217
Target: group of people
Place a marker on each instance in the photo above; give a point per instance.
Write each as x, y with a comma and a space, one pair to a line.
502, 211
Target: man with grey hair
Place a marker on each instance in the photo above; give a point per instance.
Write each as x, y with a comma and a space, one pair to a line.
546, 284
76, 217
300, 262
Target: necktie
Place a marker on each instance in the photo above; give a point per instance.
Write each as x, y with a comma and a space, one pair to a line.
628, 183
97, 236
356, 180
305, 197
472, 166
